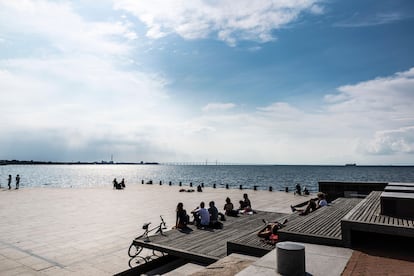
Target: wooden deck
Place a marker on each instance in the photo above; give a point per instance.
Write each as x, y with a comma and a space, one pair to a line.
330, 225
401, 184
322, 226
208, 246
253, 245
366, 217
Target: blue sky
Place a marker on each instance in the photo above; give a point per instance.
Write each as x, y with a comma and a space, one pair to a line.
259, 81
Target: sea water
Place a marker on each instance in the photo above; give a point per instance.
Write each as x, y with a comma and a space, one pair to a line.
262, 176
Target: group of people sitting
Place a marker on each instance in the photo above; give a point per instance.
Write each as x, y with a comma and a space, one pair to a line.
311, 205
204, 217
298, 190
120, 185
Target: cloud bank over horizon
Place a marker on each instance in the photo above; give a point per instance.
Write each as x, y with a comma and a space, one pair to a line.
78, 88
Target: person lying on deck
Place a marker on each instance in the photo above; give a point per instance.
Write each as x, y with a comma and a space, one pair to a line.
312, 205
181, 218
270, 231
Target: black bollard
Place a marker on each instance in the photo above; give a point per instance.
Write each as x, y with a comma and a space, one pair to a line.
180, 184
160, 182
202, 185
169, 183
241, 187
142, 182
287, 189
227, 186
191, 184
255, 187
214, 185
270, 188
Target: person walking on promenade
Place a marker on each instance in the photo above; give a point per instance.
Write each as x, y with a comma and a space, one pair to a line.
17, 181
9, 181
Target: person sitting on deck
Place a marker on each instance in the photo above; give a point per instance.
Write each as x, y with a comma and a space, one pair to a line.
182, 217
322, 200
229, 209
245, 205
312, 205
214, 214
201, 216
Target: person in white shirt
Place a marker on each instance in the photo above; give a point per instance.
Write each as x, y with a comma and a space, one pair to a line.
201, 216
312, 205
322, 200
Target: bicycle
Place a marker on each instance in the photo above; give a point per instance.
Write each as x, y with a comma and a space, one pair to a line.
134, 249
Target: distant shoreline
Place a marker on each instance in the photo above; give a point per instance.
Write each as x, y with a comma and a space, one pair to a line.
31, 162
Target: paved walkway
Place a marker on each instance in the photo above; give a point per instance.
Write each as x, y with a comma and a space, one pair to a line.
391, 256
369, 263
87, 231
319, 259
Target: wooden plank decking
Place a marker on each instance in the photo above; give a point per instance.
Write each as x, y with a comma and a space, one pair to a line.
208, 246
366, 216
322, 226
330, 225
253, 245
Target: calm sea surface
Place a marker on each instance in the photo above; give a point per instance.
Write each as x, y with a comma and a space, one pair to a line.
263, 176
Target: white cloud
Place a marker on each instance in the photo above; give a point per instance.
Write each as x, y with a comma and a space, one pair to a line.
62, 28
218, 106
392, 141
70, 93
371, 122
79, 101
228, 20
367, 20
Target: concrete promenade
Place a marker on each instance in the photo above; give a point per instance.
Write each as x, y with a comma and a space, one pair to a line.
87, 231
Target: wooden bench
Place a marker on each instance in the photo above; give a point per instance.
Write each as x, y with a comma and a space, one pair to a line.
397, 204
367, 217
399, 189
401, 184
322, 226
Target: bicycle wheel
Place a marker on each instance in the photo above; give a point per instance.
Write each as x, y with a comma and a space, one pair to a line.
136, 261
134, 250
157, 253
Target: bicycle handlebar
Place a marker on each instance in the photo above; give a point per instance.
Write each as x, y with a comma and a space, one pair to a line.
146, 225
